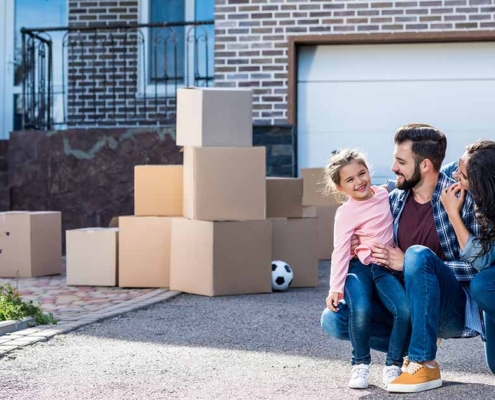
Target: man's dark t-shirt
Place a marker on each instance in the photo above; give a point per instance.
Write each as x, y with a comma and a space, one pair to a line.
417, 226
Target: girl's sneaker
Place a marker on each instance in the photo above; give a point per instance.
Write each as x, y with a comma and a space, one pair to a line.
360, 376
390, 373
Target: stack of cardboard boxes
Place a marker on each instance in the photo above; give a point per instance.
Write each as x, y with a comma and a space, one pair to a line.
316, 204
212, 226
30, 244
222, 245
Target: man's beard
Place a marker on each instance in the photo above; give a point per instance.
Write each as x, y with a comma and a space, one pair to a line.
408, 184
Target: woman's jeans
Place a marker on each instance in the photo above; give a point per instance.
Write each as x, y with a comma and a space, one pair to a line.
358, 295
483, 291
436, 300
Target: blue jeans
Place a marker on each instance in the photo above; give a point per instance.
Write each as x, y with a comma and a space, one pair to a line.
437, 302
483, 291
392, 294
355, 319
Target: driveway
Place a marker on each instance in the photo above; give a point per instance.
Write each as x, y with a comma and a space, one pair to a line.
236, 347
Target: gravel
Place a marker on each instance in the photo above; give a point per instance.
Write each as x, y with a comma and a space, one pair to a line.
235, 347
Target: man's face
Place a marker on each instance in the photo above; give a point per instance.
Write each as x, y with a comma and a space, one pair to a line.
405, 167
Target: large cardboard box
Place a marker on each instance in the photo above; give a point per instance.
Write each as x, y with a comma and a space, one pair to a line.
221, 258
313, 188
224, 183
214, 117
30, 243
144, 251
325, 218
294, 241
158, 190
92, 256
284, 197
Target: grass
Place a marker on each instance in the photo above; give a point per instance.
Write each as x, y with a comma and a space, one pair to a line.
12, 307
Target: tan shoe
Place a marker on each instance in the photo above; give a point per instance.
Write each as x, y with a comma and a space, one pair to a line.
416, 378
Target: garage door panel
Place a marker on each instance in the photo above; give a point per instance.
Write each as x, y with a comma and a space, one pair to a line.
332, 114
437, 61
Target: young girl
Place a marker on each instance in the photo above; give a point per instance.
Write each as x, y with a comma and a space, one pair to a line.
365, 214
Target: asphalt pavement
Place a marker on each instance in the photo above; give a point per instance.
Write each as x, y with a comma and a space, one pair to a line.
266, 346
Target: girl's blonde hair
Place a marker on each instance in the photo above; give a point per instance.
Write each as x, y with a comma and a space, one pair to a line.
339, 160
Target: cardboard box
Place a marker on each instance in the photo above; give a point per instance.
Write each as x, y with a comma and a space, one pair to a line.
114, 222
284, 197
224, 183
158, 190
294, 241
92, 256
325, 218
313, 188
144, 251
221, 258
214, 117
30, 243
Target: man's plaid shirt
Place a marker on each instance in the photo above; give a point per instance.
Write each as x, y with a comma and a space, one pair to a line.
462, 270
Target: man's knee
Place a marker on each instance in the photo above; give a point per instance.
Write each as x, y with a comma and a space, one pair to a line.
415, 258
334, 325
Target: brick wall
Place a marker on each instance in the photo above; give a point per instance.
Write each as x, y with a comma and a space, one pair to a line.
105, 74
251, 36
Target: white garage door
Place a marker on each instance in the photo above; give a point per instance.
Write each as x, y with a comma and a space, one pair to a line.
358, 95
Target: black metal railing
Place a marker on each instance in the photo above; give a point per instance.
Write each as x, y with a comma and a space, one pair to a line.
111, 75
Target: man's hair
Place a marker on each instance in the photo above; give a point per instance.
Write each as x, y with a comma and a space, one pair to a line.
427, 142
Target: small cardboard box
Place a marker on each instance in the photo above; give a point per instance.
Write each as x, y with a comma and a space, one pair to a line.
313, 188
214, 117
158, 190
221, 258
284, 197
294, 241
224, 183
325, 218
144, 251
30, 243
92, 256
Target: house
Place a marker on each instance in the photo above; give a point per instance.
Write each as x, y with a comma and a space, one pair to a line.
324, 74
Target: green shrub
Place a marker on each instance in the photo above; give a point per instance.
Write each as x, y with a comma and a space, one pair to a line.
12, 307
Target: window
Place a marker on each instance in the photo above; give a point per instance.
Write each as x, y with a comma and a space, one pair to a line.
180, 55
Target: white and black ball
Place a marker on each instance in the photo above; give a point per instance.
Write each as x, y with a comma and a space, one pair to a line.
282, 275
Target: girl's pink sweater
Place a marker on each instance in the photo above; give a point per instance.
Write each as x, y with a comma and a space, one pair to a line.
371, 221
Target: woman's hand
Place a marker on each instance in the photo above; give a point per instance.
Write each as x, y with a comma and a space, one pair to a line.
452, 199
333, 301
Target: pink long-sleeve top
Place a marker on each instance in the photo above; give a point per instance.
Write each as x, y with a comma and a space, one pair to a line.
371, 221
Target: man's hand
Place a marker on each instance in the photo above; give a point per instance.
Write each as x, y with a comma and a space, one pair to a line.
451, 200
390, 257
333, 301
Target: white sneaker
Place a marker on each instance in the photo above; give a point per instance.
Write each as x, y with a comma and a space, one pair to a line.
405, 364
360, 376
390, 373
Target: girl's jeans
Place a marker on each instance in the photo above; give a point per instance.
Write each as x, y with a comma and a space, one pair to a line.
358, 295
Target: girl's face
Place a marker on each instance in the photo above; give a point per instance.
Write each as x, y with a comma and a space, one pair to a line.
355, 181
461, 174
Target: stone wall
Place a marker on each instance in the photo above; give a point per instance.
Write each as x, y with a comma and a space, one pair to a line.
86, 174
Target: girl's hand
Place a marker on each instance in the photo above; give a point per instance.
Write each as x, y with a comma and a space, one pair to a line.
333, 301
452, 199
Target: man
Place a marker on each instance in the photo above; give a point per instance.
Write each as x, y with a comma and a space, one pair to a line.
427, 251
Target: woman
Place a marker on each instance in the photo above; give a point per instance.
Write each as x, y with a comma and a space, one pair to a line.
476, 174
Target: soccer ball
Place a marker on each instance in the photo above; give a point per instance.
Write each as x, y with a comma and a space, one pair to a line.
282, 275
